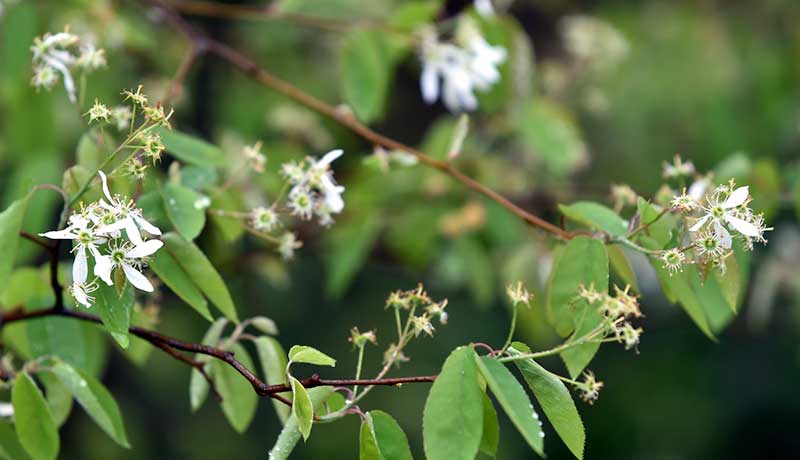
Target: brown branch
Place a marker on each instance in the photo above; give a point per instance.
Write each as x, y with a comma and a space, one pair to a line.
53, 250
249, 67
171, 345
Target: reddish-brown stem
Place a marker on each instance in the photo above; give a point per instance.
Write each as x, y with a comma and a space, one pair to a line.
344, 117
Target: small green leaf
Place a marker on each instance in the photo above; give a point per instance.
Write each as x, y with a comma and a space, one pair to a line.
239, 401
59, 397
87, 154
387, 438
10, 447
95, 400
200, 270
555, 399
115, 311
198, 385
176, 278
32, 420
309, 355
183, 210
290, 434
302, 408
264, 324
273, 364
366, 68
596, 216
192, 149
452, 421
513, 399
10, 225
491, 428
552, 136
622, 267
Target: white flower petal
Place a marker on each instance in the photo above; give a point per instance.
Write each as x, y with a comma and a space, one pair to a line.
105, 186
484, 8
429, 83
80, 296
742, 226
146, 226
145, 249
722, 235
80, 267
136, 278
699, 223
65, 234
329, 157
132, 231
103, 267
110, 228
737, 198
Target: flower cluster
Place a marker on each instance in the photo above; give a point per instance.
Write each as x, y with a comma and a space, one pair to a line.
617, 311
590, 387
415, 300
57, 55
111, 231
313, 189
469, 64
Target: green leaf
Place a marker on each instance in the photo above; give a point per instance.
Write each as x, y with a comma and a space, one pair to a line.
115, 311
152, 206
582, 262
95, 400
622, 267
596, 216
491, 428
310, 355
552, 136
349, 247
384, 438
199, 177
230, 228
191, 149
239, 401
513, 399
181, 205
176, 278
366, 68
87, 154
59, 397
290, 434
302, 408
410, 15
198, 385
10, 225
452, 421
10, 447
555, 399
273, 364
32, 420
730, 283
659, 230
200, 270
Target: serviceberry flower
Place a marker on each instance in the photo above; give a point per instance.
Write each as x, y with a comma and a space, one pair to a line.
678, 168
85, 238
138, 97
590, 387
436, 310
153, 146
98, 112
121, 116
80, 291
422, 323
673, 260
708, 244
359, 339
91, 57
629, 335
287, 244
123, 214
264, 219
255, 159
130, 259
519, 294
727, 207
684, 202
56, 55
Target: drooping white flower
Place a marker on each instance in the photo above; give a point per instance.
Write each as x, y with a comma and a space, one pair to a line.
728, 212
129, 258
57, 54
80, 291
287, 245
125, 216
85, 238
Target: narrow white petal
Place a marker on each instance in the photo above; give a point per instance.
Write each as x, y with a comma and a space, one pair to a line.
742, 226
699, 223
737, 198
103, 267
329, 157
145, 249
146, 226
110, 228
80, 267
105, 185
429, 83
137, 279
80, 296
132, 231
723, 236
65, 234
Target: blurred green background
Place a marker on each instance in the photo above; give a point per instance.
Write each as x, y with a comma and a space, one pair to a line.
717, 82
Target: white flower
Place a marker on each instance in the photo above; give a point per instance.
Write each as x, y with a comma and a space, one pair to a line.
461, 70
255, 159
55, 54
129, 258
81, 293
288, 243
98, 112
678, 168
264, 219
84, 238
126, 216
728, 212
91, 58
484, 8
673, 260
121, 115
301, 202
